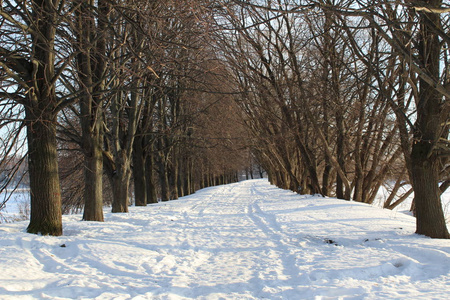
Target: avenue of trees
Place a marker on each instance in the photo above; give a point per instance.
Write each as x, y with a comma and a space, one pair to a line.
344, 96
115, 90
160, 98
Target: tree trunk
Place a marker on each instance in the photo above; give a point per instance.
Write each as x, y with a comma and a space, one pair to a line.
430, 218
45, 194
45, 217
326, 178
341, 193
358, 183
180, 182
140, 193
261, 172
93, 176
149, 179
120, 181
90, 66
173, 179
164, 181
119, 176
187, 185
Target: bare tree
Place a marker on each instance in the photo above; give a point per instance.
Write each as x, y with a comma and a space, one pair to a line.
384, 82
306, 101
33, 56
91, 24
417, 33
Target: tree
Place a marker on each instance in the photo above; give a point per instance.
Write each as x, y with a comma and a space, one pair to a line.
285, 66
417, 35
432, 112
34, 59
91, 35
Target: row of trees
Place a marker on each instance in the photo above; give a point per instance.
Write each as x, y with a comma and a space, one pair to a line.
115, 88
338, 98
344, 96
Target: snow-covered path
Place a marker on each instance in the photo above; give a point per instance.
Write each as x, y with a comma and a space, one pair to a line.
247, 240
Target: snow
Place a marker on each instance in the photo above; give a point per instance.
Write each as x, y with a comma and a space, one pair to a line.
247, 240
405, 206
17, 206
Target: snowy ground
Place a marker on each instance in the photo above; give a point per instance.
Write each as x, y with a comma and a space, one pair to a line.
247, 240
405, 206
17, 206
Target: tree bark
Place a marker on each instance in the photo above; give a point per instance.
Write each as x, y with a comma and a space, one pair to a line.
164, 181
140, 187
93, 176
46, 214
149, 178
45, 217
430, 218
120, 191
91, 66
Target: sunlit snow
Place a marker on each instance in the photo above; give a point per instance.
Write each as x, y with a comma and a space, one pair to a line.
247, 240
